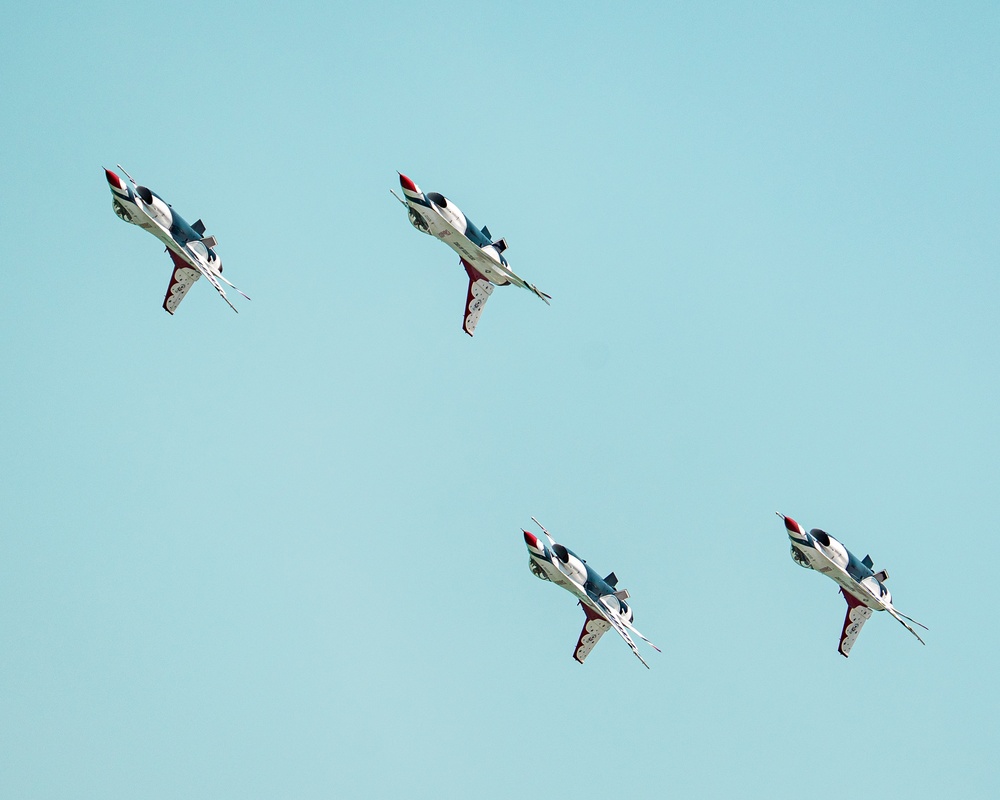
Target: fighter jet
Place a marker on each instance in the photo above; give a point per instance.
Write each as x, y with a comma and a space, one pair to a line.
436, 215
191, 251
601, 599
862, 587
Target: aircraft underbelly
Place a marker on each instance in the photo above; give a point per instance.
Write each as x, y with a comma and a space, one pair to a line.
847, 583
475, 256
466, 249
557, 577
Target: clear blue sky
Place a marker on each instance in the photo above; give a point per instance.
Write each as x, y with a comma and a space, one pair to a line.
279, 555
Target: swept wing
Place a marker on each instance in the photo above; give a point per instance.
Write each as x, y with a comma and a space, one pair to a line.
480, 290
857, 615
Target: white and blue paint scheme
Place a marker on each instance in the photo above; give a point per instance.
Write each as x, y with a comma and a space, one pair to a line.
436, 215
602, 601
862, 587
192, 252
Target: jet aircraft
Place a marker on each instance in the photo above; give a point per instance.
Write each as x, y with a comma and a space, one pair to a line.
483, 259
191, 251
862, 587
601, 600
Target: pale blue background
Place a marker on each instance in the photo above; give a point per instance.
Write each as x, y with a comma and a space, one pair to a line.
278, 554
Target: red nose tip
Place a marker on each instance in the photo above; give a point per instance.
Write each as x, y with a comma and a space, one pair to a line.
113, 179
531, 540
406, 183
792, 525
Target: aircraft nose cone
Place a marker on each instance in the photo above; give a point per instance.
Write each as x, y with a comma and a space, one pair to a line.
792, 526
531, 540
406, 183
113, 179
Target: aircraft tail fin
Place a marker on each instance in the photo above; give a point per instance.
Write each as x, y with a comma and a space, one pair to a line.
199, 227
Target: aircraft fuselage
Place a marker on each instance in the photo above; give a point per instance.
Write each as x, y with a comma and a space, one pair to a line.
434, 214
819, 551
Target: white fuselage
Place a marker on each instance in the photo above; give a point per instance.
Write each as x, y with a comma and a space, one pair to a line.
552, 573
157, 218
449, 224
832, 559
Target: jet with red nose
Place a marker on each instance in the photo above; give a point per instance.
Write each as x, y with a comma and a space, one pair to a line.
482, 257
602, 601
192, 253
862, 587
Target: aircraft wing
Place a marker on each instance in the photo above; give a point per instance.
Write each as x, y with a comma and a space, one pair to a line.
594, 627
480, 290
181, 279
857, 615
612, 620
477, 257
519, 281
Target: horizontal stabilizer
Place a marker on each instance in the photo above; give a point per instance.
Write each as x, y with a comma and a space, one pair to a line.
622, 594
867, 561
499, 244
882, 576
199, 228
611, 580
210, 241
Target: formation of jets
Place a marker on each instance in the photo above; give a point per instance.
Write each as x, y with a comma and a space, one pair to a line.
193, 255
